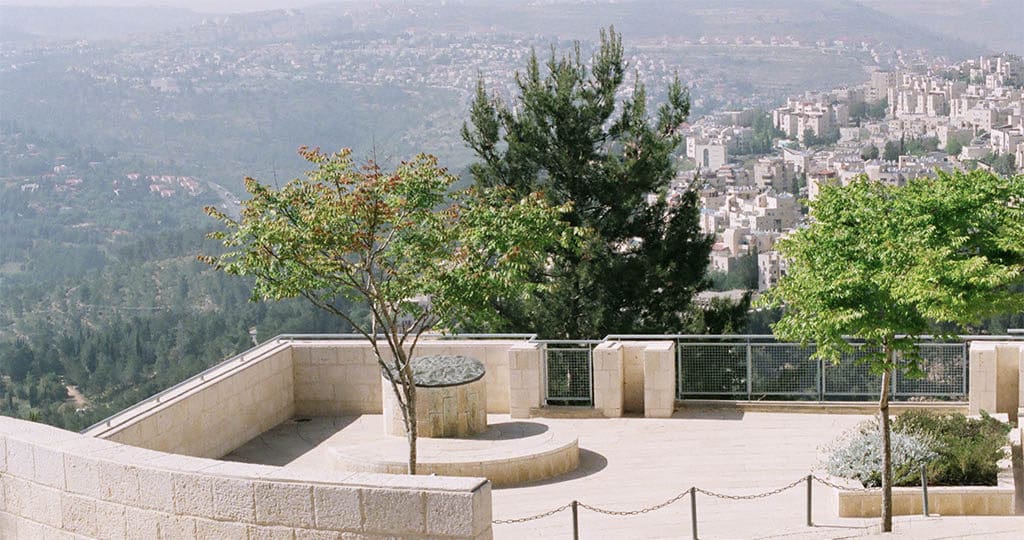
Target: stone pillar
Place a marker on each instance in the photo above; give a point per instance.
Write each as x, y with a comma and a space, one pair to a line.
659, 379
525, 362
982, 391
633, 376
1008, 379
608, 393
995, 377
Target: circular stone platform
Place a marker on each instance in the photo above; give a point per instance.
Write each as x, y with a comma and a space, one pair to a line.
451, 398
509, 453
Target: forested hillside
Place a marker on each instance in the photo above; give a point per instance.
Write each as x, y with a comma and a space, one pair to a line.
100, 291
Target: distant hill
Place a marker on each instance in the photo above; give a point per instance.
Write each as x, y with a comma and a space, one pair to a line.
74, 22
643, 20
996, 25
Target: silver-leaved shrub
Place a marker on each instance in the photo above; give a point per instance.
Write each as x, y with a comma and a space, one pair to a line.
858, 455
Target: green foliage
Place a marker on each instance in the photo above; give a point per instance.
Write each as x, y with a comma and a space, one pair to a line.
763, 138
389, 240
881, 262
921, 146
742, 275
568, 135
399, 243
827, 138
863, 110
954, 146
1003, 164
858, 455
956, 450
967, 449
892, 151
869, 153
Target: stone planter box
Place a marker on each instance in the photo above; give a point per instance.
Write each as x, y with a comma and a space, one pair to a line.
995, 500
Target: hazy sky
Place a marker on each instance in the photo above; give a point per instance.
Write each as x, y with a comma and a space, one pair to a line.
214, 6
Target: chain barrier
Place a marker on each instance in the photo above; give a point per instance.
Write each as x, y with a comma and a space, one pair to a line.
837, 486
677, 498
754, 496
531, 518
635, 512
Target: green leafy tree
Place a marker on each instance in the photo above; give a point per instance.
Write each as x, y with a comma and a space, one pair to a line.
393, 241
954, 146
569, 135
869, 153
892, 151
884, 263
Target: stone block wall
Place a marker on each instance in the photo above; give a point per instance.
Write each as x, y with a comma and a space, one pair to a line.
59, 484
608, 386
633, 376
342, 377
659, 379
335, 378
526, 392
996, 377
212, 416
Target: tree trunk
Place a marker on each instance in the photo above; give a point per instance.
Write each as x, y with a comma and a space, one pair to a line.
883, 409
410, 426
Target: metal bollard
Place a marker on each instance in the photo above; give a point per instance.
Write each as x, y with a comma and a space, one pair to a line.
575, 521
924, 488
693, 511
810, 522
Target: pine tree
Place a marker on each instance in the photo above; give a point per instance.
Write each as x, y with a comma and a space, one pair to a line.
570, 135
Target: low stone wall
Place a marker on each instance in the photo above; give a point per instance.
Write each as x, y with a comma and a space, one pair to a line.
342, 377
216, 413
59, 484
944, 500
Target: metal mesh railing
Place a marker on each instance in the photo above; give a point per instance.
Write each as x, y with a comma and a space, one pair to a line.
945, 373
568, 370
714, 370
781, 370
759, 370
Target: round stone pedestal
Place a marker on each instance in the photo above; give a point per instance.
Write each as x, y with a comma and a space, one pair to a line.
451, 398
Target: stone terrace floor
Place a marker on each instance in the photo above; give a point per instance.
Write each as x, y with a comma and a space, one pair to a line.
631, 463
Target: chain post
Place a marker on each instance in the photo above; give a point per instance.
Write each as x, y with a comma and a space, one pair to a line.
575, 521
693, 511
924, 488
810, 521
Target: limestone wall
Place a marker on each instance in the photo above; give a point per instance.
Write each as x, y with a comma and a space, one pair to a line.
526, 392
648, 377
59, 484
212, 415
633, 376
342, 377
995, 377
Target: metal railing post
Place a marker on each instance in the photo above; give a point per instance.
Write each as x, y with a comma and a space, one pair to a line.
575, 521
750, 373
821, 379
965, 360
693, 511
810, 522
924, 488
